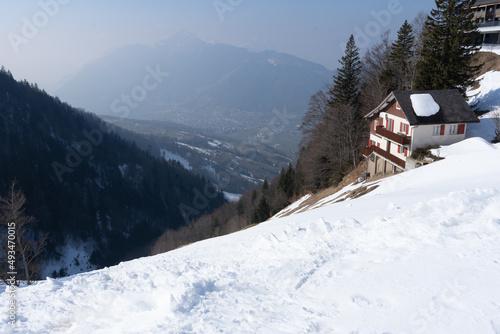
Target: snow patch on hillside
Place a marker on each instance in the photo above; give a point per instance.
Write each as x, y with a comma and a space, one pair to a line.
488, 94
74, 259
230, 197
491, 48
167, 155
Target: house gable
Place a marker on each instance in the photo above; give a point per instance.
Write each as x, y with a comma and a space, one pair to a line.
392, 109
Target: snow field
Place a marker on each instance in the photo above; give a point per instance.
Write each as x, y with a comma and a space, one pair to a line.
419, 254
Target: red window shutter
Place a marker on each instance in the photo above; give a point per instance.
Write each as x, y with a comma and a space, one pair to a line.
399, 149
442, 129
461, 129
407, 128
378, 144
369, 143
400, 127
406, 152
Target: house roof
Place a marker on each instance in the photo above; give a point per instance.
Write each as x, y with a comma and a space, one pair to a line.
485, 2
452, 107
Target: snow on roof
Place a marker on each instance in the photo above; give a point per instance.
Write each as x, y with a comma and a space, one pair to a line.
424, 105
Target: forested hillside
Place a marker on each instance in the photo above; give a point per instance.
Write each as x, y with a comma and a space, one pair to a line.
84, 184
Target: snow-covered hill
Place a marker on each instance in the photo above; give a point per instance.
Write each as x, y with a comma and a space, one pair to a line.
419, 254
486, 97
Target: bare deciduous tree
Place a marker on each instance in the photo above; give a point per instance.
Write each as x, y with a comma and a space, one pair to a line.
316, 113
375, 65
18, 239
419, 29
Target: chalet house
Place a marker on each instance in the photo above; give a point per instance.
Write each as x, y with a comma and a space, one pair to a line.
487, 16
407, 120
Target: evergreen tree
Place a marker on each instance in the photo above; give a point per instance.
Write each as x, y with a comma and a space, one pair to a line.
401, 56
265, 186
345, 119
346, 88
287, 181
262, 212
449, 47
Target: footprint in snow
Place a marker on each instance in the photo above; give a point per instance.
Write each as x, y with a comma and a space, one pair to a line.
360, 300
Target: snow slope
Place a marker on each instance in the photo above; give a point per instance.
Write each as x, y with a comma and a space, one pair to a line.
487, 97
419, 254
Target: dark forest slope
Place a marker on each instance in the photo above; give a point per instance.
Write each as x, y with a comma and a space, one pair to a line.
85, 183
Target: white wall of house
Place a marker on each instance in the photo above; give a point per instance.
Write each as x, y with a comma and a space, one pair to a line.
397, 122
394, 151
378, 140
424, 135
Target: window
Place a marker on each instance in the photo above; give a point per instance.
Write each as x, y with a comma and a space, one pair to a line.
404, 128
436, 130
390, 124
453, 129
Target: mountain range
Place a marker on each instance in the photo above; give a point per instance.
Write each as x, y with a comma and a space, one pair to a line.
203, 85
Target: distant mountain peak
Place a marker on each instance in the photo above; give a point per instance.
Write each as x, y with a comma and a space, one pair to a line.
180, 40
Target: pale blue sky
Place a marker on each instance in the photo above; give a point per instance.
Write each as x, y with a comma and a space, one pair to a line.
68, 34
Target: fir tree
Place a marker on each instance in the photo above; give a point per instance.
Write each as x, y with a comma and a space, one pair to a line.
262, 212
449, 47
345, 119
346, 84
401, 56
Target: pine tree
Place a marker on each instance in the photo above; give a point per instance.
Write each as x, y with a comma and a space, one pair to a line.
262, 212
401, 56
286, 181
346, 84
449, 48
346, 120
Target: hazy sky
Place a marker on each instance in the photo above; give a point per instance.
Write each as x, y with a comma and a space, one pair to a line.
46, 40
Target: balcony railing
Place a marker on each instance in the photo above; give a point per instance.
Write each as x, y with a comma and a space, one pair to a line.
401, 140
384, 154
489, 24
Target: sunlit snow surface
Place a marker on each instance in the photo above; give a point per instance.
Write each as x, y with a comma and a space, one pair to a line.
420, 254
424, 105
